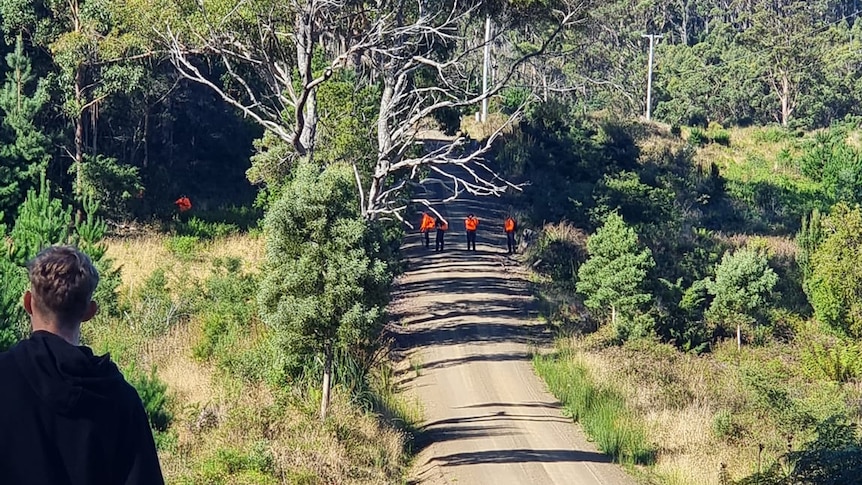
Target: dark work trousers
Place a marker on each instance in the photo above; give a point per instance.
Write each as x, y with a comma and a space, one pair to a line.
510, 241
427, 239
438, 244
471, 239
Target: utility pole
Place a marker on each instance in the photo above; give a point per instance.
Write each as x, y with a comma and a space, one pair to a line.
486, 67
652, 38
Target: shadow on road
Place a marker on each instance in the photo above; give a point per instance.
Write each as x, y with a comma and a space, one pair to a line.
521, 456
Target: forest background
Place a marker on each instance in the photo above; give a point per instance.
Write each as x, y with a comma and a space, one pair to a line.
734, 213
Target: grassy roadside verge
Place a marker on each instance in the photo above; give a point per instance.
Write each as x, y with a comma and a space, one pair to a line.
601, 410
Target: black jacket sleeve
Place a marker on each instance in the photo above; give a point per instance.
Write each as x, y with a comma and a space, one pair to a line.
145, 468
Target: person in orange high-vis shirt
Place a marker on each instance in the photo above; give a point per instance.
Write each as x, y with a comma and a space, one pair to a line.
426, 227
183, 203
471, 223
510, 226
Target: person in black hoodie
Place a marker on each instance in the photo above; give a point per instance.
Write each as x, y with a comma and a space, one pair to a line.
67, 416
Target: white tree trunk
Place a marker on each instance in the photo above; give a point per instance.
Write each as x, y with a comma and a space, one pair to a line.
327, 381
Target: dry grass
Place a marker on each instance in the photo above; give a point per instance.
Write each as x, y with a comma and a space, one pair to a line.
138, 257
482, 131
677, 396
215, 412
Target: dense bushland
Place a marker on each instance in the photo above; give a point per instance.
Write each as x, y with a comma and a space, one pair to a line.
689, 247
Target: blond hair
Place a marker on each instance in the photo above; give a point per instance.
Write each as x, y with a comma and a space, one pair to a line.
63, 280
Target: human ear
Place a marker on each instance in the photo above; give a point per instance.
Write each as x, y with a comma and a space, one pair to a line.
28, 302
92, 310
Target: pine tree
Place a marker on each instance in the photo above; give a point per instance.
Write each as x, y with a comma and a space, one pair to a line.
24, 148
325, 285
42, 221
14, 282
743, 281
612, 278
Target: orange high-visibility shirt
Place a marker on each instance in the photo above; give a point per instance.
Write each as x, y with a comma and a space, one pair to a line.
427, 223
471, 223
183, 204
509, 225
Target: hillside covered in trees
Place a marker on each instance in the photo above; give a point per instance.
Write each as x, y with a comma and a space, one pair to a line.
719, 240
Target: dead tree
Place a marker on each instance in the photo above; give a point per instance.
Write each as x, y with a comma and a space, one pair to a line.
403, 46
265, 49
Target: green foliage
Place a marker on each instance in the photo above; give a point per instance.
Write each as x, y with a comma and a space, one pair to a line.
254, 466
42, 221
772, 134
227, 313
152, 309
612, 278
840, 362
513, 99
808, 238
723, 426
325, 285
836, 271
112, 184
24, 148
743, 281
199, 228
773, 396
831, 160
834, 457
154, 394
90, 232
720, 136
599, 409
12, 315
185, 248
697, 136
683, 324
649, 209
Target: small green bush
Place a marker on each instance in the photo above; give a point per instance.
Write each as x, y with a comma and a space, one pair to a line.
184, 248
722, 137
697, 136
202, 229
227, 311
839, 362
255, 466
152, 310
723, 426
772, 134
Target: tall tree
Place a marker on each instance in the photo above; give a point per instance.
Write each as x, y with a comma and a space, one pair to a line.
24, 148
88, 46
743, 281
612, 278
326, 285
784, 34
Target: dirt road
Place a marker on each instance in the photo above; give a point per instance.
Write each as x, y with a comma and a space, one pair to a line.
467, 330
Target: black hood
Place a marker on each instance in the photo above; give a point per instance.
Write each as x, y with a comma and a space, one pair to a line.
69, 379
